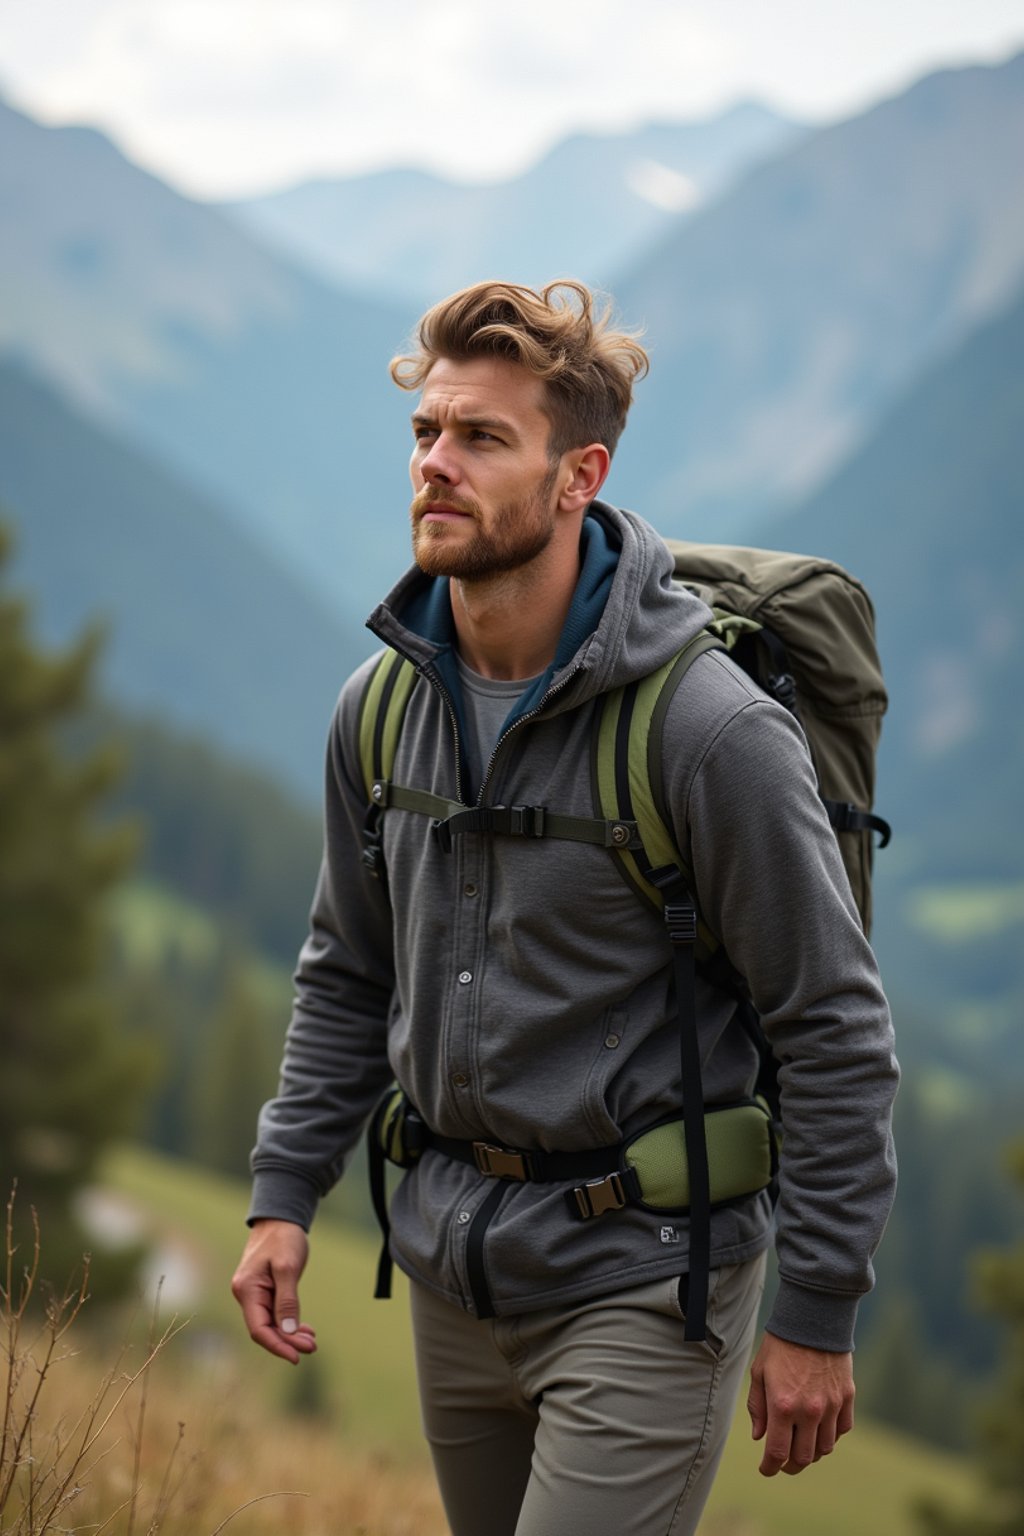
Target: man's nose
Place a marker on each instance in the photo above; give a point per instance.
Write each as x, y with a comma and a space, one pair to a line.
438, 466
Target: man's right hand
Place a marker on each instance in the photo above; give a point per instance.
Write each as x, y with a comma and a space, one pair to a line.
266, 1287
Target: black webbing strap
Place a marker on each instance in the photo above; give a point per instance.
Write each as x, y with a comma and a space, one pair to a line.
452, 819
379, 1196
779, 681
386, 794
848, 818
536, 821
497, 1161
681, 923
475, 1251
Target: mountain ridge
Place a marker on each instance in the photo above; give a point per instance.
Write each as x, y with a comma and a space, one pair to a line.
412, 232
782, 321
827, 280
202, 627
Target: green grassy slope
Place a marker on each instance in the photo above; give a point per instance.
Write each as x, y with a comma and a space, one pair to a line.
868, 1485
364, 1345
365, 1353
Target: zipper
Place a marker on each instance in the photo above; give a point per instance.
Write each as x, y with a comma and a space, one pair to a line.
525, 720
476, 1274
476, 1271
433, 676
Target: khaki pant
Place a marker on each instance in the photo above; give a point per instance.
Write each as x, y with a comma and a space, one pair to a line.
588, 1420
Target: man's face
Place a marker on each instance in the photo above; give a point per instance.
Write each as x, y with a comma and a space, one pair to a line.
485, 485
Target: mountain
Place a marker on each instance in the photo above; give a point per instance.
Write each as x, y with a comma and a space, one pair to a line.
203, 629
783, 320
264, 387
587, 209
928, 515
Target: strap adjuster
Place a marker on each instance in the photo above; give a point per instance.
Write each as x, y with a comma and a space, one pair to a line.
681, 922
525, 820
599, 1195
373, 850
500, 1163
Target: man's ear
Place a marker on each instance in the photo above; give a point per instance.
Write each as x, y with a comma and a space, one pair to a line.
582, 472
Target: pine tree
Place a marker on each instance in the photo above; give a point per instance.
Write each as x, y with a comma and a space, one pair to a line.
901, 1381
1000, 1284
69, 1081
236, 1071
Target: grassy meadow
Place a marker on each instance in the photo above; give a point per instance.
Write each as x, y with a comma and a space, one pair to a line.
336, 1441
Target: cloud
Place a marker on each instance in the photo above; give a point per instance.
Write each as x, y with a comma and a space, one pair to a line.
248, 89
224, 96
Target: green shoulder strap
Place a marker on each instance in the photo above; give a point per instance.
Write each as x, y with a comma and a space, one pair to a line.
380, 721
627, 766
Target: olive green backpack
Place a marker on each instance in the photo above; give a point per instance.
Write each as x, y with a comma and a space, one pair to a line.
803, 629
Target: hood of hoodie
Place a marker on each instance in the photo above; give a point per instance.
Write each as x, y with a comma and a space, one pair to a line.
627, 616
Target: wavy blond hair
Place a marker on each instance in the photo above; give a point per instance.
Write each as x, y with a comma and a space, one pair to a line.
557, 334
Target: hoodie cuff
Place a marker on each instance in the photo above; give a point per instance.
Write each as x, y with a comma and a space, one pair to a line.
815, 1319
281, 1196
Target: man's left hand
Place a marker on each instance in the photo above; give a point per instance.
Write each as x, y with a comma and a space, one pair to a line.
800, 1402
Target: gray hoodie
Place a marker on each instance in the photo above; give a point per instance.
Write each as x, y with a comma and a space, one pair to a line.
521, 992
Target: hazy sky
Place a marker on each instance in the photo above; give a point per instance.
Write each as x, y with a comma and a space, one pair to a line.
226, 97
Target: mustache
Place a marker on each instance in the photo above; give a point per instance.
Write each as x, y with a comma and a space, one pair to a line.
433, 496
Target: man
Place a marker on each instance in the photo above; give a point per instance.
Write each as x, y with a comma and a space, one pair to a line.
521, 992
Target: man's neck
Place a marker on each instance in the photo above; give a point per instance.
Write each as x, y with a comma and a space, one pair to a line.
508, 626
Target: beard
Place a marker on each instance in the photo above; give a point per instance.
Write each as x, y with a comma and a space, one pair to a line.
519, 531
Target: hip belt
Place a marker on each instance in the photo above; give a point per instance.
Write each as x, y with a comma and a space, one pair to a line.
649, 1169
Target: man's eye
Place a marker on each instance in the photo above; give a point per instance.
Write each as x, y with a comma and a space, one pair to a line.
420, 433
484, 437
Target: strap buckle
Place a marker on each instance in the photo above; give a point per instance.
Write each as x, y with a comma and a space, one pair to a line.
500, 1163
599, 1195
373, 840
525, 820
783, 688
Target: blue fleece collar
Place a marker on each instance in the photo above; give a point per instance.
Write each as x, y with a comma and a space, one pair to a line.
599, 557
428, 613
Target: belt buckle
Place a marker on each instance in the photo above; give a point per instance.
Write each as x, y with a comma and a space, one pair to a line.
600, 1195
499, 1162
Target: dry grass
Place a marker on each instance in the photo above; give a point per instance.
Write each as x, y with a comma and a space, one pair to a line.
208, 1450
163, 1441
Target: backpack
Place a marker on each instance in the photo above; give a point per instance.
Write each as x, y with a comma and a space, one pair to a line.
803, 629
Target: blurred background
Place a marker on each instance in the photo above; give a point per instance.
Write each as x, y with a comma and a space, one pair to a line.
218, 221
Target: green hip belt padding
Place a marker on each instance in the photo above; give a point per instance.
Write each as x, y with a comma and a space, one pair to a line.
740, 1161
739, 1137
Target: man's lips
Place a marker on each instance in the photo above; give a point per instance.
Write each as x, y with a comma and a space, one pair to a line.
435, 508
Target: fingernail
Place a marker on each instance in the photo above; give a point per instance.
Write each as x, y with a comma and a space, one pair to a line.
288, 1325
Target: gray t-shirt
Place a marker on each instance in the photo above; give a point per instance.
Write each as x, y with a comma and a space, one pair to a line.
488, 703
